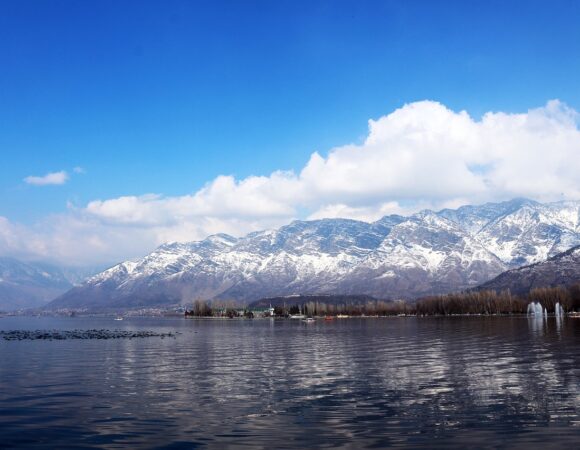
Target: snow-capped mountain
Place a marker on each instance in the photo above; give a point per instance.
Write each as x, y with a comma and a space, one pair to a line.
560, 270
521, 231
26, 285
394, 257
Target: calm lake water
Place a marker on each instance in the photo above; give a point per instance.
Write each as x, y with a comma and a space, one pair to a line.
354, 383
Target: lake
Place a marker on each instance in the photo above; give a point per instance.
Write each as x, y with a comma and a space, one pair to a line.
395, 382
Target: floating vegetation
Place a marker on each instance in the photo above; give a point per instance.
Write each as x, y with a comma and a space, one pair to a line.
63, 335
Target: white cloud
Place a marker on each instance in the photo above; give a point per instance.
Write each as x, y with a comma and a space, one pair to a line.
425, 152
422, 155
79, 170
71, 239
224, 197
54, 178
364, 213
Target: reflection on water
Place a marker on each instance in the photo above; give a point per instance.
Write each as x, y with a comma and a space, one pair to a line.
536, 324
415, 382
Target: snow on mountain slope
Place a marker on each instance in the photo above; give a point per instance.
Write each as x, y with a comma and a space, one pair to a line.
423, 255
532, 233
562, 269
395, 257
25, 285
474, 218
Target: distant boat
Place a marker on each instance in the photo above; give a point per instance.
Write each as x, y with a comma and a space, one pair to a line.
342, 316
118, 318
308, 320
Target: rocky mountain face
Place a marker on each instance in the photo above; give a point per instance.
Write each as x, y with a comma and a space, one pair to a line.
394, 257
521, 231
27, 285
560, 270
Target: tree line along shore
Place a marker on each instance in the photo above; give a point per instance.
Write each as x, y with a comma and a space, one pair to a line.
484, 302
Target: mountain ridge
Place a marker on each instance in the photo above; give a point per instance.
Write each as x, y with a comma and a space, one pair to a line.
561, 270
25, 284
426, 253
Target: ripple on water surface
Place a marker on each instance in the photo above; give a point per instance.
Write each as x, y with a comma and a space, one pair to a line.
437, 382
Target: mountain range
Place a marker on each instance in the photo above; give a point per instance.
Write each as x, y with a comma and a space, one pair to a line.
25, 284
562, 269
29, 285
395, 257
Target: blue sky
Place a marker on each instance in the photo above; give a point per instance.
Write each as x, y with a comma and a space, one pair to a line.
163, 97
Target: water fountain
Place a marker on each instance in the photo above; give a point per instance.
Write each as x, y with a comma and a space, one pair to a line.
535, 309
559, 311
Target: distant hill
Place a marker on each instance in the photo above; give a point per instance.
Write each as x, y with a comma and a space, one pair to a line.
29, 285
25, 285
300, 300
562, 269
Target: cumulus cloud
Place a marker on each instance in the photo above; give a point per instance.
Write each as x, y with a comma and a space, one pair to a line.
424, 152
422, 155
364, 213
53, 178
224, 197
72, 239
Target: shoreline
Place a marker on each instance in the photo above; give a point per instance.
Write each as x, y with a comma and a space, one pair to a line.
316, 318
